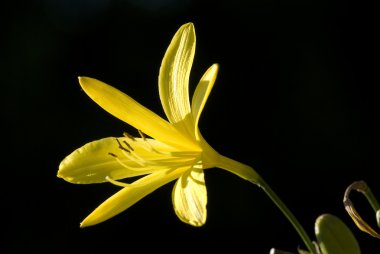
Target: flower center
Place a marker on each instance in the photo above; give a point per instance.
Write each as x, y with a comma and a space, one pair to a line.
144, 156
129, 152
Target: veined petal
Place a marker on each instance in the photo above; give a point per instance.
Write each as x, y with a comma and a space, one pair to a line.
201, 94
129, 195
93, 162
190, 197
119, 158
128, 110
174, 77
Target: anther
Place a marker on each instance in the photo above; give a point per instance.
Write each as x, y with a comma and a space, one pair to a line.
113, 155
126, 134
122, 147
129, 146
142, 135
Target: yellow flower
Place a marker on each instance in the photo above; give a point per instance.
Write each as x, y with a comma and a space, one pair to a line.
174, 149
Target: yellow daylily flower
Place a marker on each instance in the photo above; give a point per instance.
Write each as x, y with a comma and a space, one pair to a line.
173, 150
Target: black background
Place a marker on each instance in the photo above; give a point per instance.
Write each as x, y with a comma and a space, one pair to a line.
295, 98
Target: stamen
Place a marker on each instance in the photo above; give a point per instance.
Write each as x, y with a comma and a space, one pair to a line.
126, 134
131, 155
135, 158
129, 146
113, 155
148, 147
142, 135
117, 183
122, 147
129, 167
149, 162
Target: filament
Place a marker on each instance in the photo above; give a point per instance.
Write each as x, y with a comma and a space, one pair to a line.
117, 183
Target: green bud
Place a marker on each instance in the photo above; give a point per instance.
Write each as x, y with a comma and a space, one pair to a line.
334, 237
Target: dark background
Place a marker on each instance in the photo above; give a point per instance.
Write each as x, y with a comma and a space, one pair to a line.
295, 98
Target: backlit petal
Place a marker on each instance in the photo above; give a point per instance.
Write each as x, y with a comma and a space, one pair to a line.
128, 110
190, 197
201, 94
129, 195
174, 77
93, 162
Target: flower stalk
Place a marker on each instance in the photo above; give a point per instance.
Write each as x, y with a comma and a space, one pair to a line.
289, 215
248, 173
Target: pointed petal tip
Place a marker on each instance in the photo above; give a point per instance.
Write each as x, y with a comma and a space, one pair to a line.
198, 224
61, 170
86, 81
81, 79
214, 69
63, 174
86, 222
187, 27
193, 223
65, 177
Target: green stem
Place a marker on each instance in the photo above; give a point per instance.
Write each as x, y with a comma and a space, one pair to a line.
371, 199
289, 215
251, 175
374, 203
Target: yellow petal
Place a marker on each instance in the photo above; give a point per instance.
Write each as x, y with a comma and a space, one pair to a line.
190, 198
129, 195
201, 94
93, 162
174, 78
128, 110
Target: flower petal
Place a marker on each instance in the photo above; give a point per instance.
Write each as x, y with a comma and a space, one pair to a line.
114, 158
128, 110
129, 195
190, 197
174, 77
201, 94
92, 163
